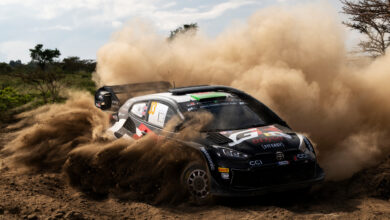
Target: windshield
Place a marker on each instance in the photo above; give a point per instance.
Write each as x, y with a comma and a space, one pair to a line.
227, 114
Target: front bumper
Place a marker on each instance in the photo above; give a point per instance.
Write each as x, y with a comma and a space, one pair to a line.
222, 190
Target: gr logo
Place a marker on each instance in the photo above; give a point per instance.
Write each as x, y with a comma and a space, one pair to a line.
255, 163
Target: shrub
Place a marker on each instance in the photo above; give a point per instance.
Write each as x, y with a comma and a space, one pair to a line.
10, 98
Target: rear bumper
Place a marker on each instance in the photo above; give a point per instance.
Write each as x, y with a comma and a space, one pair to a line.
218, 190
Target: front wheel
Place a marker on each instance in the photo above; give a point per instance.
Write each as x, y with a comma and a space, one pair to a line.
196, 180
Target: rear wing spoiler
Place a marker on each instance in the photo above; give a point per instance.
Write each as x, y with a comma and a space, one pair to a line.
106, 97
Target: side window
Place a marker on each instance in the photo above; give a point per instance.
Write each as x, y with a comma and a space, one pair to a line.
170, 114
139, 109
159, 113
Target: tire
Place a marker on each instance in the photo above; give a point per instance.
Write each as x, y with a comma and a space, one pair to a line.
196, 180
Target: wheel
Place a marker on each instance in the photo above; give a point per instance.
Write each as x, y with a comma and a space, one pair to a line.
196, 180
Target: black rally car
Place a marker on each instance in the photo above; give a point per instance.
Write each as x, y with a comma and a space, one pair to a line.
248, 149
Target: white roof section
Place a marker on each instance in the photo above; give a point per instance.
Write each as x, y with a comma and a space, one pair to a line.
177, 98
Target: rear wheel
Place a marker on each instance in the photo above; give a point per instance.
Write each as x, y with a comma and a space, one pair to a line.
196, 180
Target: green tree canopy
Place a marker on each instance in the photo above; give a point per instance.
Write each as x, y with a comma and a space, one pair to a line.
73, 64
43, 56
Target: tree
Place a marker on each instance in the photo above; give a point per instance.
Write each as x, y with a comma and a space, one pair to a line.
371, 18
15, 63
43, 57
5, 68
73, 64
41, 73
187, 28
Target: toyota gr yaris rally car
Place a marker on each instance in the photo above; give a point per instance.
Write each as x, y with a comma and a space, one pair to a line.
248, 149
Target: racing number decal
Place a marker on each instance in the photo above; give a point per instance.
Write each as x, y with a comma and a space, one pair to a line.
152, 108
157, 113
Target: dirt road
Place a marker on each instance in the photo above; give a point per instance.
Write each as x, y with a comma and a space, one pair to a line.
47, 196
26, 195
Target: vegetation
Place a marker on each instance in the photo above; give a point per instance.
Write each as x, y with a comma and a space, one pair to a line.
371, 18
10, 98
41, 80
41, 73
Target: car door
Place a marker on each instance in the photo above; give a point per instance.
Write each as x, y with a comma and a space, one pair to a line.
136, 123
158, 115
148, 117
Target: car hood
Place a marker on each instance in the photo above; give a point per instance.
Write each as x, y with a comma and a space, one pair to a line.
256, 140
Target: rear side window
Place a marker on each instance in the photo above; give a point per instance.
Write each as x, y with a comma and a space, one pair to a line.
170, 114
139, 109
159, 113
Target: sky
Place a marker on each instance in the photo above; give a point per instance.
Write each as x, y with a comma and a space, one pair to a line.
81, 27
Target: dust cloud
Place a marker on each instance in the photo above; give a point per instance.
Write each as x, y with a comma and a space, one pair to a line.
49, 133
292, 59
72, 138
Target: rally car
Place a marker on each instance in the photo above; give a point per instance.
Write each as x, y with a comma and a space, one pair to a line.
247, 149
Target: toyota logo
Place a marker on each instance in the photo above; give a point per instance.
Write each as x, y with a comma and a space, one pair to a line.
279, 156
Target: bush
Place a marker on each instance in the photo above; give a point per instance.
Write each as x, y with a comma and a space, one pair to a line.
10, 98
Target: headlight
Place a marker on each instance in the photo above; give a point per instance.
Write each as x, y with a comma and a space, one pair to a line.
227, 152
306, 147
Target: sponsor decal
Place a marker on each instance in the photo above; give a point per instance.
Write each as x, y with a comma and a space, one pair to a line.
242, 136
266, 139
279, 155
223, 170
225, 176
143, 130
282, 163
157, 113
255, 163
206, 95
259, 135
207, 155
302, 156
272, 145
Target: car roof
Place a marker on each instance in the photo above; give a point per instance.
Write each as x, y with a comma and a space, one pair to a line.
184, 97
